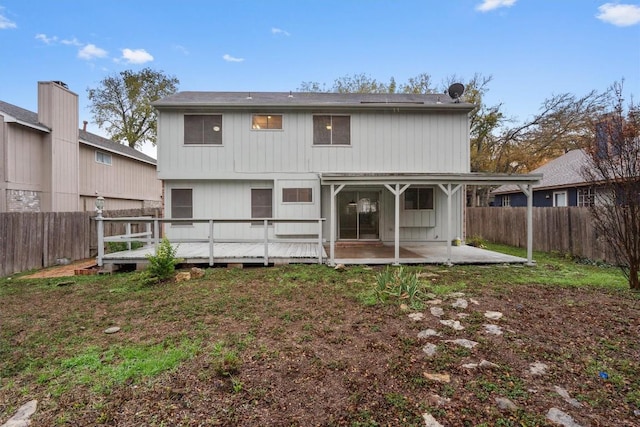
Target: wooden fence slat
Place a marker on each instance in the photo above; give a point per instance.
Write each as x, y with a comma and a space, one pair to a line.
566, 230
36, 240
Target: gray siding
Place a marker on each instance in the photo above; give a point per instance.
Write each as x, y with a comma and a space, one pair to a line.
380, 142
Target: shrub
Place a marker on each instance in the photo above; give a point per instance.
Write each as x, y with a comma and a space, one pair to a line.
163, 263
477, 241
121, 246
399, 283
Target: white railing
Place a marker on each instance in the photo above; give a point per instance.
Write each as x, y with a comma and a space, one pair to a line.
152, 234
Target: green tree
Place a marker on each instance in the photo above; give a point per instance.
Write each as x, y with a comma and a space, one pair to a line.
122, 104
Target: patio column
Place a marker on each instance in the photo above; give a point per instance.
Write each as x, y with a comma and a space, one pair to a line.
333, 224
449, 192
528, 191
397, 191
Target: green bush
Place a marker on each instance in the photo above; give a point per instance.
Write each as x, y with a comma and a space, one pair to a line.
121, 246
163, 264
401, 284
477, 241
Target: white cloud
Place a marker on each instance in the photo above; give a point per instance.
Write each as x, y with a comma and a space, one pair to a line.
91, 51
620, 15
488, 5
45, 39
280, 31
136, 56
71, 42
230, 58
6, 23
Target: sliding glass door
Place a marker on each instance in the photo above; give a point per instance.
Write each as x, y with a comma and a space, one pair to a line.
359, 215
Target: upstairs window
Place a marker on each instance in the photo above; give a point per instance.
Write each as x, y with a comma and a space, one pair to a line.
103, 158
331, 130
203, 129
266, 122
418, 199
297, 195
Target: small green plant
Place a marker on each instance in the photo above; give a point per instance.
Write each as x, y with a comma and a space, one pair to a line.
401, 284
163, 263
477, 241
122, 246
225, 361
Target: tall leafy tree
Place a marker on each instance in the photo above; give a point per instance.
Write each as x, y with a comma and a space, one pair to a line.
614, 164
122, 104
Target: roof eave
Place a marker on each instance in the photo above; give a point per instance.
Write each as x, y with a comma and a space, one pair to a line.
119, 153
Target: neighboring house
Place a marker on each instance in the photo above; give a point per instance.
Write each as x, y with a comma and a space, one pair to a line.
378, 167
562, 184
47, 164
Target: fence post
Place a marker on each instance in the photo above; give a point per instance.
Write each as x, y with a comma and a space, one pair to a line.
156, 235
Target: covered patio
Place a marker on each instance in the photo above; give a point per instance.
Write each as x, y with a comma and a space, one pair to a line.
451, 184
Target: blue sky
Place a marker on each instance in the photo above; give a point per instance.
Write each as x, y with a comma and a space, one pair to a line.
533, 49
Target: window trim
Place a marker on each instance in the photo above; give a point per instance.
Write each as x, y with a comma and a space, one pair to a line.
417, 209
298, 201
566, 199
213, 144
506, 201
331, 116
267, 129
171, 207
106, 155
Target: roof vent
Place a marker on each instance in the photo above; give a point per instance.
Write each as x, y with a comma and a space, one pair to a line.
249, 96
290, 94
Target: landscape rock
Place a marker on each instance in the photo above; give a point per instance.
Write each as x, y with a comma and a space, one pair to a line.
474, 301
440, 378
429, 421
484, 364
183, 276
557, 416
460, 303
428, 333
339, 267
435, 301
196, 272
436, 311
493, 315
453, 324
538, 368
506, 404
493, 329
112, 330
567, 398
463, 343
23, 415
436, 400
456, 295
416, 317
430, 349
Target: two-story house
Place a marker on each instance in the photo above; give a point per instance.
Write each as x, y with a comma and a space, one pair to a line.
48, 164
388, 168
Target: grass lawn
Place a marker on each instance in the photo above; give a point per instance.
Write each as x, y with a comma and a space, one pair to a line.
309, 345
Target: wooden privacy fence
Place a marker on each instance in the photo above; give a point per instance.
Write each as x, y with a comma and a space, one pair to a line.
566, 230
42, 239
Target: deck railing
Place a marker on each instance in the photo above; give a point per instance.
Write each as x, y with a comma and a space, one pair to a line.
151, 235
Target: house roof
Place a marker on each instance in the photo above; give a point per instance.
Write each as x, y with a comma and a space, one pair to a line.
563, 171
97, 141
311, 100
471, 178
13, 113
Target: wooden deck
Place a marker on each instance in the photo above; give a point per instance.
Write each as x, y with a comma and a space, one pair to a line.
299, 253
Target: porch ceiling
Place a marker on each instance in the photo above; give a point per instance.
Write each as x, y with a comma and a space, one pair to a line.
471, 178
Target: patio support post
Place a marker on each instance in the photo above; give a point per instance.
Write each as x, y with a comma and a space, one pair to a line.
100, 221
320, 241
334, 223
156, 235
266, 242
528, 191
449, 192
397, 192
210, 243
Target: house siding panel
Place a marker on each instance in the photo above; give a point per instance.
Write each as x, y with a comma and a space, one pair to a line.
388, 141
